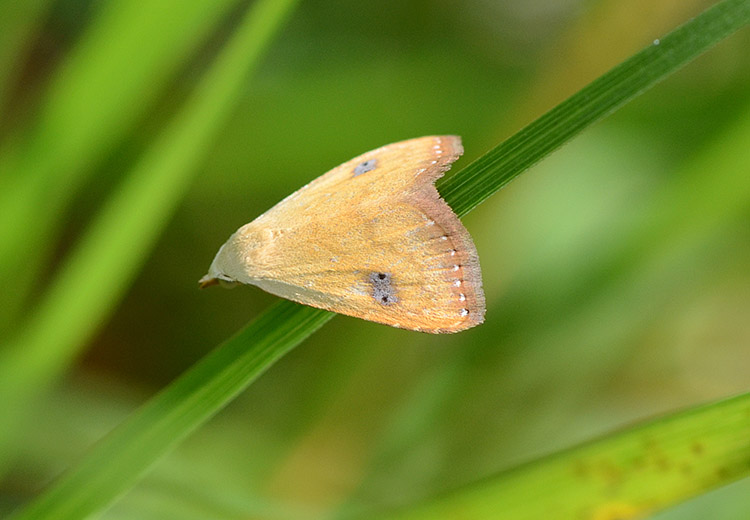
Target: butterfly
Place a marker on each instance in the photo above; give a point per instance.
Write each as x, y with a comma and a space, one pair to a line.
371, 238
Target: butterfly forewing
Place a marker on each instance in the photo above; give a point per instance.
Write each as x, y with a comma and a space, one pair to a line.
371, 239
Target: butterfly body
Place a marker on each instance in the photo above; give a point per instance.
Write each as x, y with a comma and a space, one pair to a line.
371, 238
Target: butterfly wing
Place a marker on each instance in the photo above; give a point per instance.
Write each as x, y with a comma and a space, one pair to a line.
371, 238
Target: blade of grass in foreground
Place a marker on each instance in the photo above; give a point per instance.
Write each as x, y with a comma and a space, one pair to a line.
98, 271
154, 429
133, 446
640, 471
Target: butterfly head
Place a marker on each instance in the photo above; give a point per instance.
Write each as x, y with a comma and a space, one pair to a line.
240, 259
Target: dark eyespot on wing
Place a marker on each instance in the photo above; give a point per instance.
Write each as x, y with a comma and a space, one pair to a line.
365, 167
382, 289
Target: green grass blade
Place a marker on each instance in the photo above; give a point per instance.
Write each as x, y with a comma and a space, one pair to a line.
630, 474
502, 164
110, 253
119, 459
469, 187
109, 82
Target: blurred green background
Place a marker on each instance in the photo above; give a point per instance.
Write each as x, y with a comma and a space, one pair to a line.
616, 271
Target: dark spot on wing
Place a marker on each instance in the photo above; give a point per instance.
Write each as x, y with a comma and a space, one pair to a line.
365, 167
382, 290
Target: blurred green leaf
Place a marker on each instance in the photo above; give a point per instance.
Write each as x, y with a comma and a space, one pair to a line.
625, 475
106, 85
179, 410
99, 270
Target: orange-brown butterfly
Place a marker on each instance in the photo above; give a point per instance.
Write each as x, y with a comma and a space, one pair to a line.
371, 238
